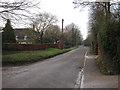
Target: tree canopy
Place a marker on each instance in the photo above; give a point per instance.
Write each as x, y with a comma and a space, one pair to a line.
41, 23
8, 35
104, 25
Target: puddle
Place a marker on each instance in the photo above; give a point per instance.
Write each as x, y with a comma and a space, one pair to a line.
90, 57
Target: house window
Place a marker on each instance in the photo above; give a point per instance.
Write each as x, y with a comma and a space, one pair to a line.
16, 37
25, 37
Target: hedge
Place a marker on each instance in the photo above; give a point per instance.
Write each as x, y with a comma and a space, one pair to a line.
17, 46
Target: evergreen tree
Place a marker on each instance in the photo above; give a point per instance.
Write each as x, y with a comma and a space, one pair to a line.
8, 35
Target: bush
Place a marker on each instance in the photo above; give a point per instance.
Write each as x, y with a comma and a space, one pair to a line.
105, 67
109, 41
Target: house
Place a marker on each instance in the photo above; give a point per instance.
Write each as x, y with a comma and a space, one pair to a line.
25, 35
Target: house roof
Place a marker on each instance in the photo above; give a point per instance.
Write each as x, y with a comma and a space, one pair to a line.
21, 32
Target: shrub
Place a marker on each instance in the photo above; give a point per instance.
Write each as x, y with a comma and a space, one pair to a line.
109, 41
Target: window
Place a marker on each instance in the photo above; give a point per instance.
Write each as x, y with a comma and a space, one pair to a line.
16, 37
25, 37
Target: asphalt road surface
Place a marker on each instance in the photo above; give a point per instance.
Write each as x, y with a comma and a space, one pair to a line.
57, 72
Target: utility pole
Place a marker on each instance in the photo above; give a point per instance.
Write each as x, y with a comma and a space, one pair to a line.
62, 32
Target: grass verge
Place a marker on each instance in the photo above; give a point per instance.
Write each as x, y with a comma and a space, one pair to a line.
32, 56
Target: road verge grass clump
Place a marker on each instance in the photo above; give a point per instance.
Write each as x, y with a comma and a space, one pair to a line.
105, 67
32, 56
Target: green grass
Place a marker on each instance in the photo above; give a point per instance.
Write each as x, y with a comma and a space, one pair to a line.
31, 56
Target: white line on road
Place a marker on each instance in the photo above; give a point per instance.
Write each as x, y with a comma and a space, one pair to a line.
85, 59
79, 83
82, 77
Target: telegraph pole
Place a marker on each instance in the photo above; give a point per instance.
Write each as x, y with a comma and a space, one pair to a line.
62, 32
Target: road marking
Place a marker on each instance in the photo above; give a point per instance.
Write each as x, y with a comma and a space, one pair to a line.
85, 59
82, 77
80, 80
77, 84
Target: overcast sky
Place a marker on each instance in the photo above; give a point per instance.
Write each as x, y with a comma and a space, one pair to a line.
64, 9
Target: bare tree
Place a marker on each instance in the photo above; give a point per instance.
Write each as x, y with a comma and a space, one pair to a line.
16, 9
41, 22
105, 4
52, 34
72, 34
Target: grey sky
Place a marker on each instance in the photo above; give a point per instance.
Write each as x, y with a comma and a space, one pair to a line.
65, 9
62, 9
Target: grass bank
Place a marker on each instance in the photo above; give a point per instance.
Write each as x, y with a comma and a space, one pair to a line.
32, 56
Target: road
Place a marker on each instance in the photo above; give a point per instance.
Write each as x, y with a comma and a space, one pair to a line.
57, 72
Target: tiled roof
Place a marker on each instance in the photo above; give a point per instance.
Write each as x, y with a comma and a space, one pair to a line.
23, 32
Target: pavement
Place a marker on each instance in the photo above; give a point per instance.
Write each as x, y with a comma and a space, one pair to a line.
93, 78
57, 72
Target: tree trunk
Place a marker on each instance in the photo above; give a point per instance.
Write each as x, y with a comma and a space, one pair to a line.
41, 37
